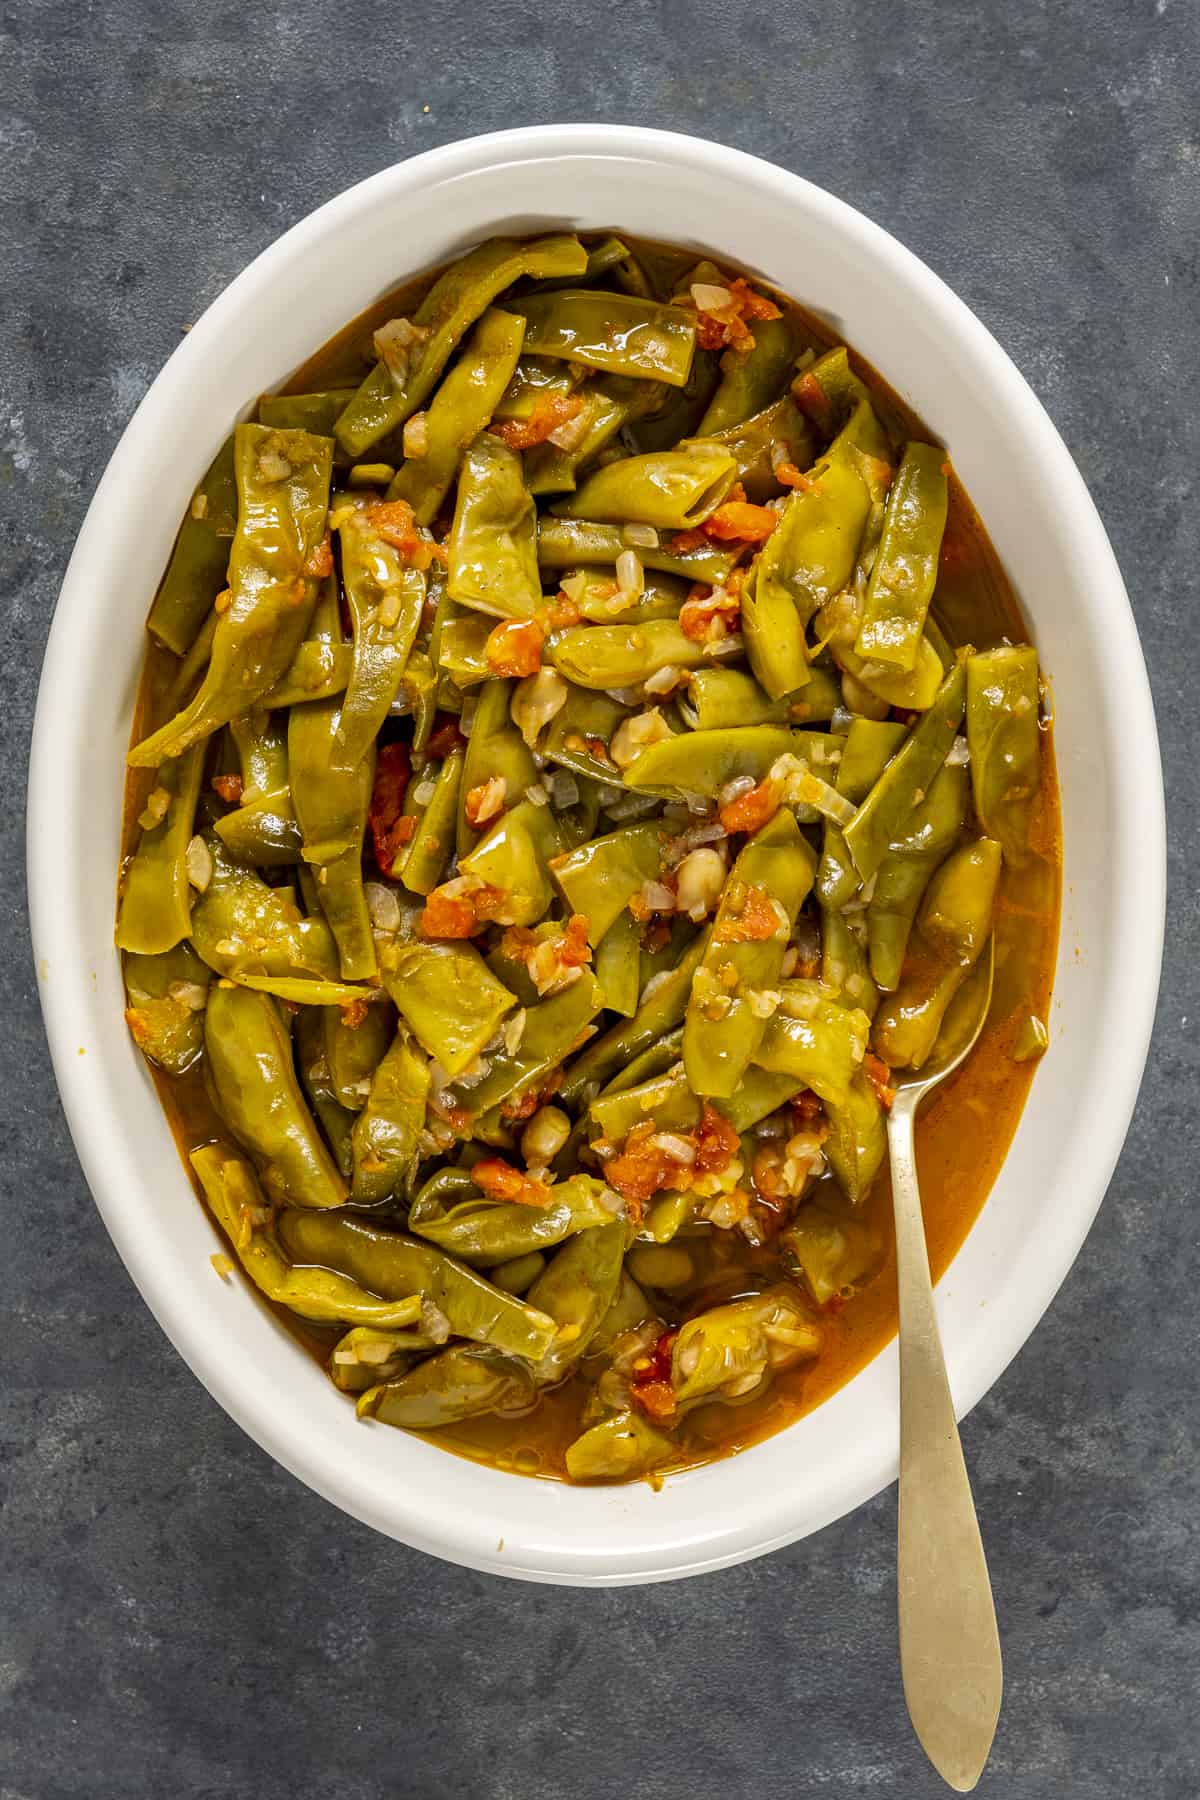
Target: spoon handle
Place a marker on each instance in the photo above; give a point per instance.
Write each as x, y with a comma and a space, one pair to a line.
949, 1644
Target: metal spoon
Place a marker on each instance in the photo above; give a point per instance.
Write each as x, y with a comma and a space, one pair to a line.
949, 1644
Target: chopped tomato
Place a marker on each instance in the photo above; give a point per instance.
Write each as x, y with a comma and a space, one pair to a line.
320, 563
229, 787
639, 1168
354, 1014
683, 541
563, 612
716, 1142
448, 916
789, 476
456, 910
550, 411
523, 1106
756, 922
752, 809
392, 769
708, 612
514, 648
880, 1078
808, 1110
656, 1399
485, 801
811, 397
397, 526
741, 522
445, 736
500, 1181
726, 324
593, 746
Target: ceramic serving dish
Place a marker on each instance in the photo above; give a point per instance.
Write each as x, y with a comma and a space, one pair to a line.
933, 350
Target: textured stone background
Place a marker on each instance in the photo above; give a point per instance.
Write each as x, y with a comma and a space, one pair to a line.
179, 1617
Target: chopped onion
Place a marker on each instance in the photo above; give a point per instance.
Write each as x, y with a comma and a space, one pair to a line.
664, 679
709, 298
416, 435
198, 862
383, 906
642, 537
564, 789
630, 577
155, 809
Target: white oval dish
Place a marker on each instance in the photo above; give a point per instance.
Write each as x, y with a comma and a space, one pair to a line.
934, 351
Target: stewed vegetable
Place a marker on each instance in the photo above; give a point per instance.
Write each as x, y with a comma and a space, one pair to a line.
585, 746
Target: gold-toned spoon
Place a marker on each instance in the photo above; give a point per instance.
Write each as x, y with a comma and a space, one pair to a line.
949, 1644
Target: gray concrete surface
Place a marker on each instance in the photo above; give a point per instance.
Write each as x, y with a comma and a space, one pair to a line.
178, 1617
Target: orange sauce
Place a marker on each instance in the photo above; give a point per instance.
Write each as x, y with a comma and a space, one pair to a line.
980, 1105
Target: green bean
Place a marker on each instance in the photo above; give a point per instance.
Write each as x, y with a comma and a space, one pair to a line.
856, 1144
905, 872
906, 566
667, 1099
385, 1134
618, 333
702, 762
249, 1062
167, 993
566, 543
952, 929
196, 572
312, 1064
317, 412
725, 1022
673, 490
353, 1051
537, 378
240, 925
883, 816
392, 392
236, 1202
365, 1357
720, 699
833, 1255
729, 1349
751, 379
451, 1000
396, 1266
155, 907
385, 595
576, 1289
493, 540
779, 433
462, 406
814, 1039
518, 1275
624, 656
283, 498
609, 404
1005, 743
617, 965
586, 722
318, 671
601, 877
617, 1449
488, 1232
429, 851
462, 648
658, 1014
331, 798
456, 1384
553, 1028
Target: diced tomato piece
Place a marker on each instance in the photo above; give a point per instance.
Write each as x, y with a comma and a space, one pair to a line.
683, 541
354, 1014
392, 770
752, 809
880, 1078
789, 476
485, 802
548, 413
523, 1106
500, 1181
811, 397
229, 787
717, 1142
756, 922
320, 563
396, 524
564, 612
514, 648
448, 916
656, 1399
741, 522
445, 736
